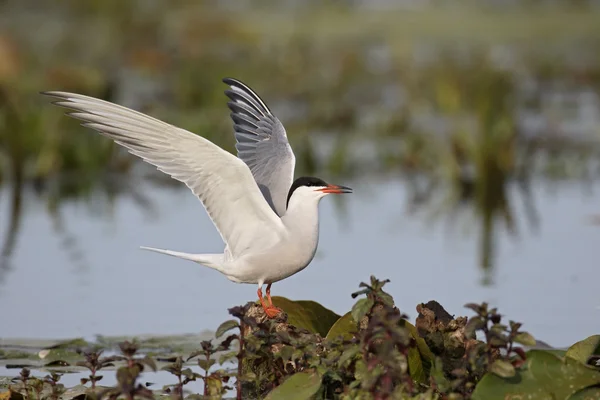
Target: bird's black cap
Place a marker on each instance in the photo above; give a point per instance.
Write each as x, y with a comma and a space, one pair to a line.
305, 181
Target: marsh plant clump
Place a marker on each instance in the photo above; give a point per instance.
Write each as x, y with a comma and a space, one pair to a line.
371, 352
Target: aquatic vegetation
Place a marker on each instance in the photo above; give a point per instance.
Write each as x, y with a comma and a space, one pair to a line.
371, 352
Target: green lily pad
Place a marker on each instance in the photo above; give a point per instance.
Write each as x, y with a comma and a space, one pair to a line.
544, 376
70, 344
345, 327
521, 386
591, 393
583, 350
300, 386
307, 314
159, 344
51, 356
16, 355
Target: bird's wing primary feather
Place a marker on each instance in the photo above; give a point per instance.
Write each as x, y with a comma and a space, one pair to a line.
222, 182
262, 144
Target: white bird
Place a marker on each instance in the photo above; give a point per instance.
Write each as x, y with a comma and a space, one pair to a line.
268, 221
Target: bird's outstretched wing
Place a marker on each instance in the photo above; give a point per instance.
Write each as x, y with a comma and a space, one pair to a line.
262, 144
222, 182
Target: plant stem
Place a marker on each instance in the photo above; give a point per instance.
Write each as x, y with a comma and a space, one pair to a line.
93, 377
26, 389
180, 387
206, 374
487, 342
240, 358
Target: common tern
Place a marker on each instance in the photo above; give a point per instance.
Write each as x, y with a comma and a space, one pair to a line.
268, 221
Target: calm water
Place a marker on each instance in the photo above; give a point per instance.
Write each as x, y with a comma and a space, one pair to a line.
548, 280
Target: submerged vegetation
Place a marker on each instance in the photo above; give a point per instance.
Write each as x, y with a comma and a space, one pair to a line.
309, 352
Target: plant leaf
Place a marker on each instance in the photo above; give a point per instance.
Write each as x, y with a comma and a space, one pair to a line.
590, 393
503, 369
361, 308
225, 327
525, 339
420, 358
544, 376
307, 314
286, 353
437, 373
195, 354
474, 324
345, 327
227, 356
149, 361
300, 386
474, 306
348, 354
582, 350
205, 365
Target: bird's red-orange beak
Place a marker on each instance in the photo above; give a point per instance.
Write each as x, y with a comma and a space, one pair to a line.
335, 189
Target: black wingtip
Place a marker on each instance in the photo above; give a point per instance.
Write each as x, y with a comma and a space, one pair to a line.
230, 81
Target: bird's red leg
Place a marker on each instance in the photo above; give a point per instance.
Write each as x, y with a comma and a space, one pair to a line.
269, 294
269, 309
260, 297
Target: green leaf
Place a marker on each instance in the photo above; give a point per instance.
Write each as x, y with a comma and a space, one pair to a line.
344, 327
286, 353
437, 373
415, 366
478, 308
149, 361
300, 386
474, 324
204, 364
386, 298
544, 376
249, 377
76, 392
195, 354
591, 393
227, 356
581, 351
525, 339
361, 308
195, 397
307, 314
420, 358
225, 327
348, 354
188, 373
503, 369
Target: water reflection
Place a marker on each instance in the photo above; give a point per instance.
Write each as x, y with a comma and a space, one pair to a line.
461, 120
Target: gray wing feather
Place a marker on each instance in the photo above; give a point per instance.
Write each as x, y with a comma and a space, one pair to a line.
261, 142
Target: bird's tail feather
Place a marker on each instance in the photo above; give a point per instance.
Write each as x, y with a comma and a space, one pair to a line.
214, 261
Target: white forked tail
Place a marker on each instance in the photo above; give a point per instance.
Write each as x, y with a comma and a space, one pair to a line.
214, 261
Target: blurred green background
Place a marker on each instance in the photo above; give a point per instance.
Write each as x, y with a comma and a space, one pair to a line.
461, 100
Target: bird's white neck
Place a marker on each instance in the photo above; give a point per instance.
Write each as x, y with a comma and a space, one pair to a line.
302, 215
